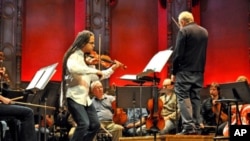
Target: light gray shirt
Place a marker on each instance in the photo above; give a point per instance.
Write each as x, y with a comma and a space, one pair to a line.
104, 107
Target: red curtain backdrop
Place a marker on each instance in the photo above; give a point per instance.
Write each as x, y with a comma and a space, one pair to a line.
49, 29
139, 30
134, 36
228, 46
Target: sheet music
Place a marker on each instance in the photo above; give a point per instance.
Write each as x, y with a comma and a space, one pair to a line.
42, 77
158, 61
129, 77
155, 64
35, 79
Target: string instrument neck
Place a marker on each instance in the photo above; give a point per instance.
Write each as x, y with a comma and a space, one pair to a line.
218, 111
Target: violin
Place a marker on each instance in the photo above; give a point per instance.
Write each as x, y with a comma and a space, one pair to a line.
49, 121
104, 60
119, 117
3, 75
155, 120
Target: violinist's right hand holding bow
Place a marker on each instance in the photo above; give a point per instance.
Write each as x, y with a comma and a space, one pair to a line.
116, 65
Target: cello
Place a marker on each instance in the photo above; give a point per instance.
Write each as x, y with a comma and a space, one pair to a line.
155, 120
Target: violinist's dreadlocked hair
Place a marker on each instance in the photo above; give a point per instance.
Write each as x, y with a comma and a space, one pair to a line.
81, 40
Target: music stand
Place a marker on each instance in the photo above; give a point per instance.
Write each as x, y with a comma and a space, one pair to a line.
50, 94
156, 64
39, 81
14, 94
236, 90
234, 93
134, 97
42, 77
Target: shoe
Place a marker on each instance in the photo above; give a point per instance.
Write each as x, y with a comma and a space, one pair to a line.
188, 132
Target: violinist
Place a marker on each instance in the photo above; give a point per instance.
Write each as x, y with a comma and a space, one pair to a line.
103, 105
41, 128
210, 111
78, 73
4, 77
170, 110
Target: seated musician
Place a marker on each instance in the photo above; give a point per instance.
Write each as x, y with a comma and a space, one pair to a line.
103, 105
210, 111
44, 129
73, 126
4, 77
22, 113
170, 107
244, 109
135, 126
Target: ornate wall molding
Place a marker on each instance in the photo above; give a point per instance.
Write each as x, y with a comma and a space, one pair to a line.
10, 38
98, 21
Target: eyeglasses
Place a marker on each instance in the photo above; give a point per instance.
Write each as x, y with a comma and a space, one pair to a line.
92, 43
98, 87
165, 86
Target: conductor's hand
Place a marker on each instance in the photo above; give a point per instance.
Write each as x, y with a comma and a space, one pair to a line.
173, 78
202, 125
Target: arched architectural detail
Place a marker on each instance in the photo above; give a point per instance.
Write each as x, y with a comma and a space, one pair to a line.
98, 21
10, 38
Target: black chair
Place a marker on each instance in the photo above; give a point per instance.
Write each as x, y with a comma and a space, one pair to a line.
14, 128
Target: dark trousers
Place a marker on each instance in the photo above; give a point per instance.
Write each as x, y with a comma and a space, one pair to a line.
187, 90
86, 119
25, 115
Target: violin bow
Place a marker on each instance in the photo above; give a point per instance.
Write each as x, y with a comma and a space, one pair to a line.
99, 53
176, 23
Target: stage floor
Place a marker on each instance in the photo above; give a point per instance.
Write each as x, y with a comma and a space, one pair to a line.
171, 138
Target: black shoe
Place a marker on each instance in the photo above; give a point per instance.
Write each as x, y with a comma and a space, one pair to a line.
188, 132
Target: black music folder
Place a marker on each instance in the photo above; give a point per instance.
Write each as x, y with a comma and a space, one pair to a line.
236, 90
134, 96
